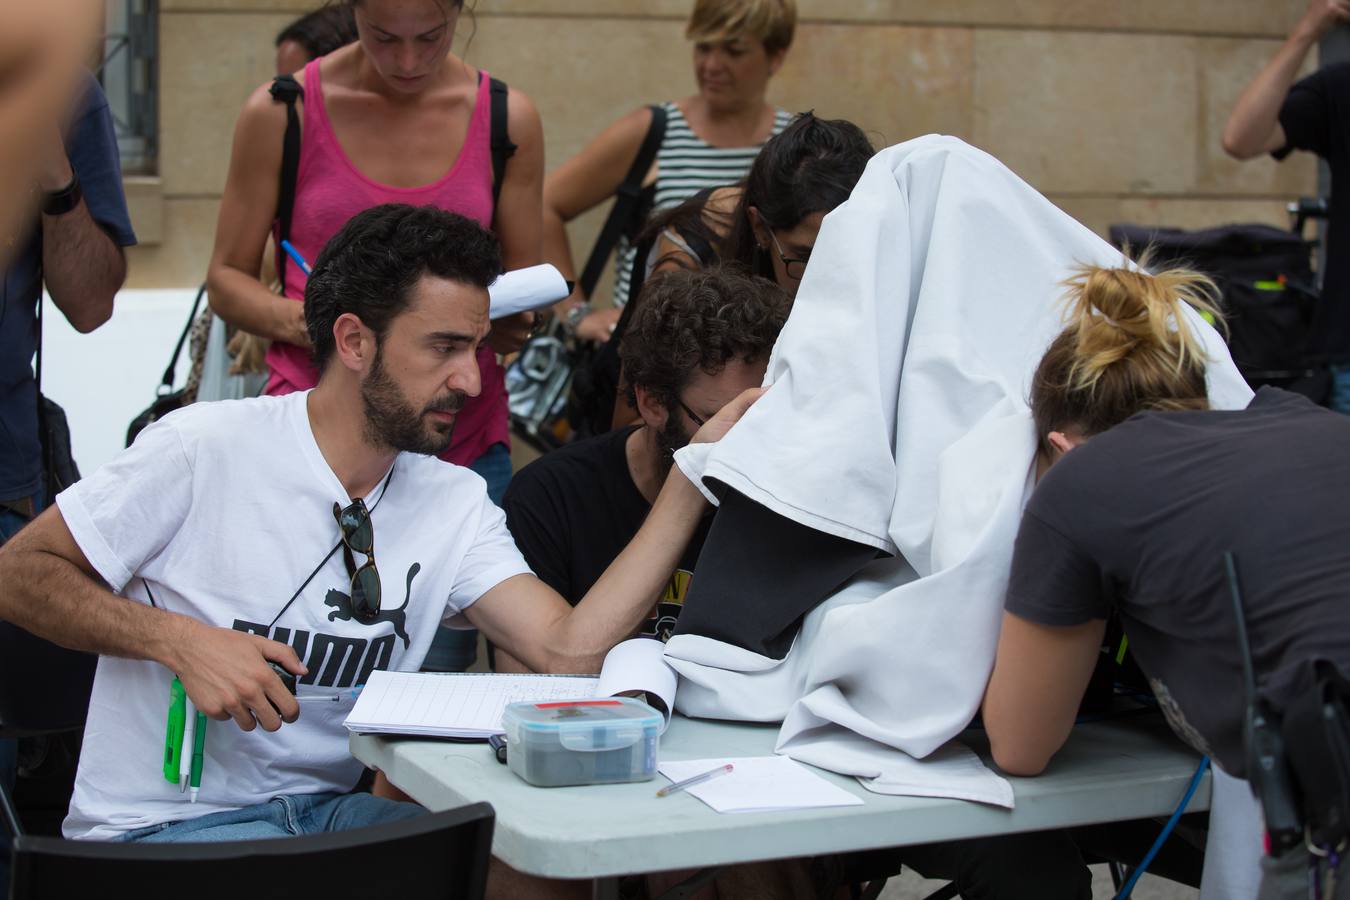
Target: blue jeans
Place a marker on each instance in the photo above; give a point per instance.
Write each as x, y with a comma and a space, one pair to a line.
10, 523
453, 650
1340, 388
284, 816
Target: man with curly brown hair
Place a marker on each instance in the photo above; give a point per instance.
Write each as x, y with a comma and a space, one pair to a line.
698, 340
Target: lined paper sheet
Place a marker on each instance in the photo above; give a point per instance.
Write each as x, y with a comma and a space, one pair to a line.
460, 705
759, 784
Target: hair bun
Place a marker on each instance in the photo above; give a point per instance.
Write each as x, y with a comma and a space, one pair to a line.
1120, 314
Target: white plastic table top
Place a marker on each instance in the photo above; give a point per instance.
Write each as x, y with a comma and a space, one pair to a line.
1108, 771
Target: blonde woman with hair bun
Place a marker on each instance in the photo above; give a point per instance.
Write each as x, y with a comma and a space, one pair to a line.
1142, 490
1128, 348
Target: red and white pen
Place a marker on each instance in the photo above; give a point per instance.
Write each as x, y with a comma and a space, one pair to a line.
696, 780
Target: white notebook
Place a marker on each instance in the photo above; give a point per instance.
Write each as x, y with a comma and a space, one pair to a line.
464, 705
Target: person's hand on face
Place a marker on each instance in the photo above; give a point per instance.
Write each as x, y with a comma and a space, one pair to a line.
716, 428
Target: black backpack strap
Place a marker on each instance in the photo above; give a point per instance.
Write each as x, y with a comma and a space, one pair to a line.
286, 89
625, 202
502, 148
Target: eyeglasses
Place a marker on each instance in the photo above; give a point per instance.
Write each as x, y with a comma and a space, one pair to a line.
358, 534
795, 268
698, 420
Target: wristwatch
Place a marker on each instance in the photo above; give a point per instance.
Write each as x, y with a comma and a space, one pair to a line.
572, 318
57, 203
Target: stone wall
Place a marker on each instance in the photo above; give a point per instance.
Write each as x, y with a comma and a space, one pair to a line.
1113, 109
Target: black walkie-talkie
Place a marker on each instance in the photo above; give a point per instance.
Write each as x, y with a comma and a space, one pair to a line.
1267, 766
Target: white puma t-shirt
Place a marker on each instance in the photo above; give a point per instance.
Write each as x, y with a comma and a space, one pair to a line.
223, 510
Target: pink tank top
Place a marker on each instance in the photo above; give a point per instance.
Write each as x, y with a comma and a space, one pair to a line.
330, 190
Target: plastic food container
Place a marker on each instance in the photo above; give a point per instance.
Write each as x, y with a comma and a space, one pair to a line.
582, 741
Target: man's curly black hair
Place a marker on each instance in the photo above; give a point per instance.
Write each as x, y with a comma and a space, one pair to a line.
689, 321
370, 266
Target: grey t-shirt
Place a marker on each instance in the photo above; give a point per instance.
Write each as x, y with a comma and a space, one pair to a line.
1138, 519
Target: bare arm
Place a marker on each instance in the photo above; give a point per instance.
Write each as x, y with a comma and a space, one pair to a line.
1254, 126
247, 210
53, 591
1040, 674
535, 625
82, 266
42, 48
517, 219
585, 181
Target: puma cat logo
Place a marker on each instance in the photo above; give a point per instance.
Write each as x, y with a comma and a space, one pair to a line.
342, 607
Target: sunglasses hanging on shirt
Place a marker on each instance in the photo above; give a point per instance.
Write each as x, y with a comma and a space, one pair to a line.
356, 533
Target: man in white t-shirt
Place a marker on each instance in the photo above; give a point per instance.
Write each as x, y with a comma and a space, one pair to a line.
247, 531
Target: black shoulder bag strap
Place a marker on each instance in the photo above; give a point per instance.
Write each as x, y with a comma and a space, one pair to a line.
166, 380
286, 89
625, 202
502, 148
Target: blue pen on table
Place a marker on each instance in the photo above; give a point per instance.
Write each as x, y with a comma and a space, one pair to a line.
295, 256
696, 780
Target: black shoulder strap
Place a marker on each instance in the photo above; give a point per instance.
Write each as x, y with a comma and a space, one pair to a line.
502, 148
625, 202
286, 89
167, 379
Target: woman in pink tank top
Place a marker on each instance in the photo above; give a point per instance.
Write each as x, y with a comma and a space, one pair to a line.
395, 117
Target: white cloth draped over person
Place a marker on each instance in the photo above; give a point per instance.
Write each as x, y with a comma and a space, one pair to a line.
898, 419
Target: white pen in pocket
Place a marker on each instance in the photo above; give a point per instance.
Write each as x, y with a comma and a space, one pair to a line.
189, 737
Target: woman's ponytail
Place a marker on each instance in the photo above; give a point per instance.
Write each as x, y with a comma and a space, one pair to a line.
1128, 347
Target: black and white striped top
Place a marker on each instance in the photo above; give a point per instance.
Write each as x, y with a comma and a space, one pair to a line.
686, 164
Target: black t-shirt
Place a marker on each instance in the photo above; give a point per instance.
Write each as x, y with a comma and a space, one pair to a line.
1316, 117
574, 510
1139, 517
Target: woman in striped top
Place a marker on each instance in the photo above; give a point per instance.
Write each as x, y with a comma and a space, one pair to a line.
711, 138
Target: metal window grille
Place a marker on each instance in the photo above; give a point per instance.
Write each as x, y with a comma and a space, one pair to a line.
130, 76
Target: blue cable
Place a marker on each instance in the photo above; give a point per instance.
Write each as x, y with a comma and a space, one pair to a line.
1167, 829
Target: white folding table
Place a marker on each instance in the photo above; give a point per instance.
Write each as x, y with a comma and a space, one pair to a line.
1108, 771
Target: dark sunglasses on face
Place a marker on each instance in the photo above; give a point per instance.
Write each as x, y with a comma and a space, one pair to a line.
358, 534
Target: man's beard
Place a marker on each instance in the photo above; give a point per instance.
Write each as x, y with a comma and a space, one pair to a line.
669, 438
392, 422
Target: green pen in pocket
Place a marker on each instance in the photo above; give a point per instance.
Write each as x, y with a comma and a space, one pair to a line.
198, 755
173, 731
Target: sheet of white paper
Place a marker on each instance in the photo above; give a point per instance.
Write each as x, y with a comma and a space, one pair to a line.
952, 770
759, 784
524, 289
460, 705
640, 665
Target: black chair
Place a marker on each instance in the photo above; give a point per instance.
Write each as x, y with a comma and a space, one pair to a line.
441, 855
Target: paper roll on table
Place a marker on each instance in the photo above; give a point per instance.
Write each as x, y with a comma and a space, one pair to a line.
525, 289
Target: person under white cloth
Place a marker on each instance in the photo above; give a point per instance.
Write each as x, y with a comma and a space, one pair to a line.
898, 424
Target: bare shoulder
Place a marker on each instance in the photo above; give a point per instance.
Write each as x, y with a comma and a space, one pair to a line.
261, 110
723, 200
633, 125
522, 117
